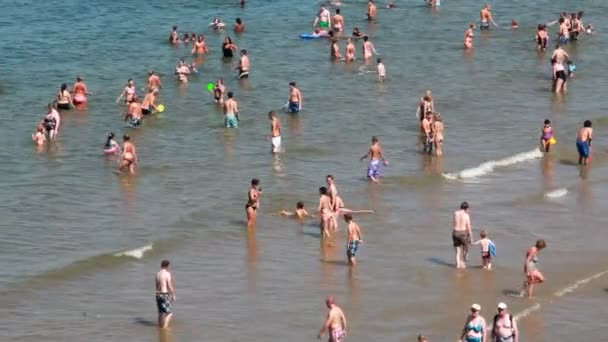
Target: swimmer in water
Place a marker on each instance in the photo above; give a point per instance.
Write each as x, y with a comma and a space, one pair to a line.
514, 24
182, 71
468, 36
295, 98
546, 135
231, 112
350, 51
128, 159
134, 115
80, 91
153, 80
590, 29
147, 105
335, 323
438, 134
334, 52
244, 65
64, 98
353, 239
39, 138
51, 122
111, 146
238, 27
217, 24
542, 37
375, 154
381, 70
228, 48
174, 36
200, 47
391, 5
299, 213
128, 93
253, 202
275, 132
486, 18
357, 33
218, 92
583, 142
323, 19
368, 48
338, 22
371, 10
533, 274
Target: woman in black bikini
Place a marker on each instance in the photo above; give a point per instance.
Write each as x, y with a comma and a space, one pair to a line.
228, 48
253, 202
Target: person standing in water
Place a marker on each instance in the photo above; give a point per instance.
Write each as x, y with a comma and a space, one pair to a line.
381, 70
174, 36
165, 294
323, 19
253, 202
546, 136
559, 54
371, 10
504, 327
475, 327
542, 37
231, 112
334, 51
368, 48
275, 132
560, 80
486, 18
64, 98
134, 115
468, 36
244, 65
148, 104
239, 27
80, 92
350, 51
51, 122
438, 134
461, 234
583, 142
218, 92
335, 323
533, 275
375, 154
353, 239
128, 159
153, 81
295, 98
325, 211
338, 22
129, 92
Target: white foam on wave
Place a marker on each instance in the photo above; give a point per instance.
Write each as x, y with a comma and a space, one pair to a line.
137, 253
556, 193
489, 166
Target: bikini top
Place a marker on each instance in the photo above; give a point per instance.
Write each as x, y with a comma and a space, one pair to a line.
476, 328
547, 132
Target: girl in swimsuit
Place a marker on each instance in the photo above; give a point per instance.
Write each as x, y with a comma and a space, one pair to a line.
475, 327
253, 202
533, 275
468, 36
542, 37
228, 48
546, 135
128, 93
80, 91
218, 92
128, 159
64, 99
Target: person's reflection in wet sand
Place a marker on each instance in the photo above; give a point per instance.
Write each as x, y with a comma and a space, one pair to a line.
228, 138
294, 124
354, 289
277, 165
328, 263
252, 260
128, 189
532, 325
584, 191
546, 168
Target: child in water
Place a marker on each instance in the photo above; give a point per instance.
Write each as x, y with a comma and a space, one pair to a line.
546, 135
571, 68
299, 213
381, 70
111, 146
485, 243
39, 136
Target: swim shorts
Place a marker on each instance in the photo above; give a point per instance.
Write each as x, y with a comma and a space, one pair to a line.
373, 169
459, 239
484, 26
324, 24
505, 339
243, 74
49, 124
337, 335
353, 247
294, 107
163, 303
486, 256
135, 122
146, 111
276, 144
230, 121
64, 106
564, 39
583, 148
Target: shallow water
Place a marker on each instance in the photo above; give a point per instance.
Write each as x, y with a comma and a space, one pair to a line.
66, 214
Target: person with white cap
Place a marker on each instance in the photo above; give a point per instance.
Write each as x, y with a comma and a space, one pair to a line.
475, 327
504, 328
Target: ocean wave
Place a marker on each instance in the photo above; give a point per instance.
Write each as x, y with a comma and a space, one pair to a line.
137, 253
557, 193
489, 166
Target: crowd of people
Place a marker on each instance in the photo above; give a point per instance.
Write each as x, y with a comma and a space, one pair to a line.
331, 207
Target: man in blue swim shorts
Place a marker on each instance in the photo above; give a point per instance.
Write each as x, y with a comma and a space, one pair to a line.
353, 239
231, 112
165, 294
295, 98
375, 154
583, 142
